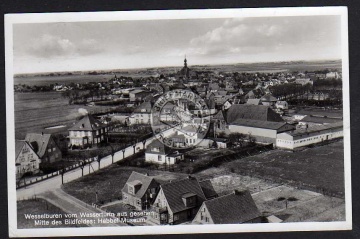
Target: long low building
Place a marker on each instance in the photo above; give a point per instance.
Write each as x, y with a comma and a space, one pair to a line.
262, 131
303, 137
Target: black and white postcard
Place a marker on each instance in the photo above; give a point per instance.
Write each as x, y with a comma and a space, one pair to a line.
178, 121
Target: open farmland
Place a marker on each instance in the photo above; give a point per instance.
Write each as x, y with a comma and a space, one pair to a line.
320, 167
38, 110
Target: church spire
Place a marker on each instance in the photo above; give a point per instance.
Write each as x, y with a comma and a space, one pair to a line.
185, 62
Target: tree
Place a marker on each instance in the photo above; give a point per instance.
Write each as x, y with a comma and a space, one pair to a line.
237, 138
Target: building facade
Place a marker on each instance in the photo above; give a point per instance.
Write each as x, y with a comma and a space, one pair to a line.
27, 161
140, 191
44, 146
88, 132
304, 137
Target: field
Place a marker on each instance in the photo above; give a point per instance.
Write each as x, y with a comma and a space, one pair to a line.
38, 206
65, 79
36, 111
321, 166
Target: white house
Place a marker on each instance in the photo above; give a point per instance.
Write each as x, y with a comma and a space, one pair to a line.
157, 152
141, 115
26, 161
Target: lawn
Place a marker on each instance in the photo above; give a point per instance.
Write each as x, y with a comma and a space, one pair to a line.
109, 181
320, 167
39, 206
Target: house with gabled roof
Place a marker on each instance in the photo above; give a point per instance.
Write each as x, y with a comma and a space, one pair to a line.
158, 153
44, 146
140, 190
142, 114
26, 159
238, 207
177, 201
87, 132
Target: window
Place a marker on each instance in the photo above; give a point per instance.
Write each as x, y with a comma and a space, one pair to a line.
159, 158
176, 217
206, 219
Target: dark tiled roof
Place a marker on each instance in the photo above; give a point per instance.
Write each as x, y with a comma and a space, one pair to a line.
259, 124
138, 178
208, 189
156, 144
38, 142
88, 123
233, 208
253, 102
255, 112
174, 192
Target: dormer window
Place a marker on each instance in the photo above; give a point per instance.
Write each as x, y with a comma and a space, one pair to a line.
134, 186
155, 149
189, 199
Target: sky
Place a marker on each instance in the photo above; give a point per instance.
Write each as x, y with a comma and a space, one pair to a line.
74, 46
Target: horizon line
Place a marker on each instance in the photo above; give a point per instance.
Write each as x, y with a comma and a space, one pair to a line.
153, 67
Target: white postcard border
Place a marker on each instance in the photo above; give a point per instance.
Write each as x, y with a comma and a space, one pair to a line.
11, 19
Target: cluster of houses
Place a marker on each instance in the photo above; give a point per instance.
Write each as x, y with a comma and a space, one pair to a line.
254, 113
188, 200
40, 148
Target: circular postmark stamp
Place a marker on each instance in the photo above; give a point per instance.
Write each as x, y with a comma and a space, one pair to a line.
180, 119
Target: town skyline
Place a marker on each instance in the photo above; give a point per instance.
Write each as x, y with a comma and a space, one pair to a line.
86, 46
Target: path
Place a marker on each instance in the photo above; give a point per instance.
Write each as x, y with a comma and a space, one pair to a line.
72, 205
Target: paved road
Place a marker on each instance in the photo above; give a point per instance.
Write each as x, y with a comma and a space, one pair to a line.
71, 205
55, 182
